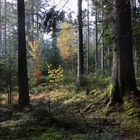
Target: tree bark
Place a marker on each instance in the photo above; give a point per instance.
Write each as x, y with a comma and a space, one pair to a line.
102, 57
102, 48
108, 58
123, 76
0, 29
32, 22
5, 28
88, 36
22, 62
80, 66
96, 39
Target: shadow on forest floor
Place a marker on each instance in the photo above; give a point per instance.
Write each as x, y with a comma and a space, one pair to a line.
63, 115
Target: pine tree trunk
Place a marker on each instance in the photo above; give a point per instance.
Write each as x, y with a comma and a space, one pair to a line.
134, 22
123, 76
0, 29
88, 36
32, 23
5, 28
96, 46
22, 62
102, 58
108, 59
80, 66
37, 18
102, 48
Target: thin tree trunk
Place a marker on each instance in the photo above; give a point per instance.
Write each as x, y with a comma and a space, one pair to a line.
108, 59
96, 33
22, 60
102, 57
37, 18
5, 27
10, 80
102, 49
32, 23
134, 22
123, 76
135, 55
5, 47
0, 29
88, 36
80, 66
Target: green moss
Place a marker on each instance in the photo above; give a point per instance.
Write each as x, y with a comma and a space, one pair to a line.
131, 108
81, 137
105, 111
136, 132
103, 81
50, 135
9, 124
109, 90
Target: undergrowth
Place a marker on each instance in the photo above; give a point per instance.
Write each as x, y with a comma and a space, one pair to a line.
63, 114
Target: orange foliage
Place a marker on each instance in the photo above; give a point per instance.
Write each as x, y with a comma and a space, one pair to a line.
41, 96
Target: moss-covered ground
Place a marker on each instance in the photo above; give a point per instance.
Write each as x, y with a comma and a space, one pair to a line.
57, 112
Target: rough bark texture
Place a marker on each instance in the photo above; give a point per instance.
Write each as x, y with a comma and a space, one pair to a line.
80, 67
22, 62
0, 29
123, 76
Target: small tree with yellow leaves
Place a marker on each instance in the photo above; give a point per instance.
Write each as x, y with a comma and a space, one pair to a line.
34, 51
66, 41
67, 44
55, 74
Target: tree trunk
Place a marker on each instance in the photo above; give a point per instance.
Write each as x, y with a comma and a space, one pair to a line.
37, 18
134, 23
102, 58
123, 76
102, 48
80, 66
5, 28
96, 32
0, 29
22, 62
32, 22
88, 36
108, 58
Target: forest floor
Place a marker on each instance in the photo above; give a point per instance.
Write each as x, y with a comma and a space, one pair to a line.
58, 113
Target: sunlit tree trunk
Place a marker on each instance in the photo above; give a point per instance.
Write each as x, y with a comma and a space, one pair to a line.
22, 62
123, 76
80, 66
